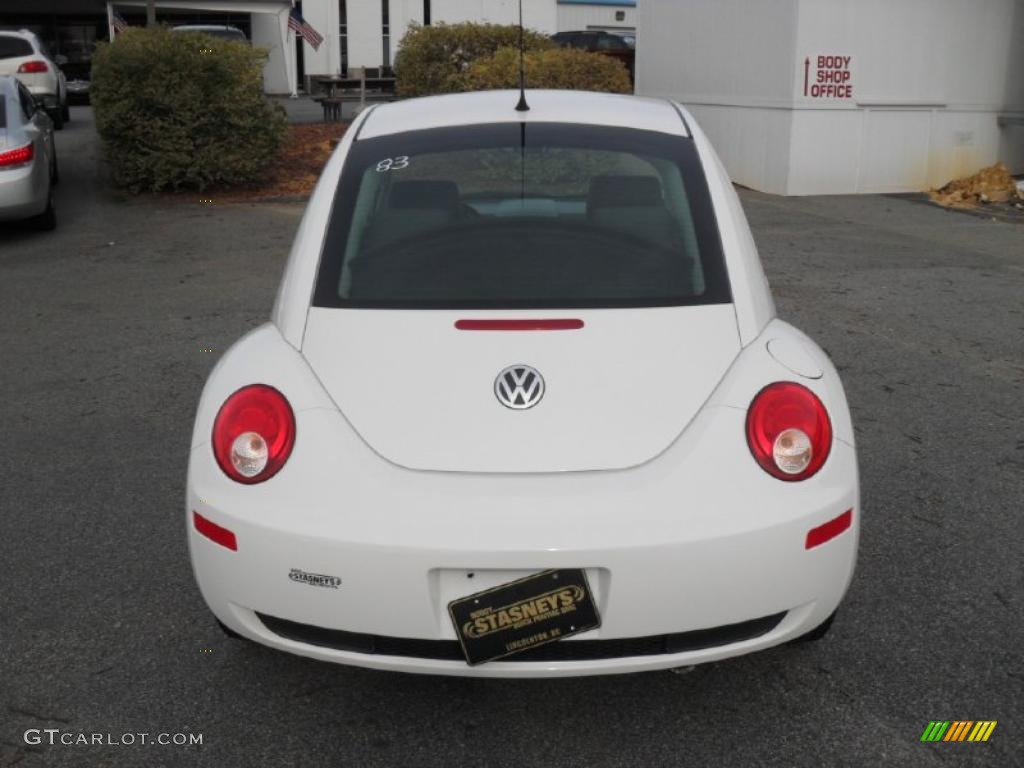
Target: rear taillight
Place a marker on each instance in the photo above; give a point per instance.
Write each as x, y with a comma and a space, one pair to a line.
33, 67
253, 434
19, 156
788, 431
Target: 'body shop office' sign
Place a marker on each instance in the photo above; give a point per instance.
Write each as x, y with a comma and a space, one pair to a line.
828, 77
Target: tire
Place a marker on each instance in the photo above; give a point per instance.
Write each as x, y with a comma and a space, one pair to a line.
57, 115
47, 220
54, 172
817, 633
65, 113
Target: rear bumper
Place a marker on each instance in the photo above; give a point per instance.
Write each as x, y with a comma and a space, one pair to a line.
572, 664
47, 94
21, 193
675, 546
578, 650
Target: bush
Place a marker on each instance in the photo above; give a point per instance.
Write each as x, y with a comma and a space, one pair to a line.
559, 68
435, 59
182, 109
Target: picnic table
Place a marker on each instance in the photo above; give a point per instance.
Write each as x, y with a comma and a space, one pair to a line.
357, 78
331, 82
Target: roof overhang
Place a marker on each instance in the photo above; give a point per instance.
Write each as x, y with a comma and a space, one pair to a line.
223, 6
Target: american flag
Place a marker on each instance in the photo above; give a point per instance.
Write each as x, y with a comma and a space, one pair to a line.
120, 25
301, 27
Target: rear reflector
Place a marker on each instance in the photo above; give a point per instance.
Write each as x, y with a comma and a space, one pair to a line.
33, 66
554, 324
18, 156
828, 531
214, 532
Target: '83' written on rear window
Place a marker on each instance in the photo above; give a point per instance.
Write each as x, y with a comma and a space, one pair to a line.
509, 215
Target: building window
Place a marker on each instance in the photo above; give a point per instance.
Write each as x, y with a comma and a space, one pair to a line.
343, 34
426, 13
386, 32
620, 15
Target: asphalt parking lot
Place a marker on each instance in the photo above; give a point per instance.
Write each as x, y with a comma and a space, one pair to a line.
110, 325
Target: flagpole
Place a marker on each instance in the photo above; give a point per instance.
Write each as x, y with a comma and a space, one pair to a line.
295, 64
288, 51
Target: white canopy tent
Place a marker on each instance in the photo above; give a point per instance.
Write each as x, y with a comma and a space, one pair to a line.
279, 9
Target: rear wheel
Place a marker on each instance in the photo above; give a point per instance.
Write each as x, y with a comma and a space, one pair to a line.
818, 632
47, 220
57, 115
65, 113
54, 171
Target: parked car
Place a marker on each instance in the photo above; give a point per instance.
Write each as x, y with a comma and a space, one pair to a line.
523, 409
78, 90
78, 81
23, 55
233, 34
28, 158
621, 47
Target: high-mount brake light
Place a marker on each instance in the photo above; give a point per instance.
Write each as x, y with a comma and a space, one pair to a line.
520, 324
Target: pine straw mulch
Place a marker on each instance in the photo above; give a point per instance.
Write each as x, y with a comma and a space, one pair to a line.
291, 177
989, 186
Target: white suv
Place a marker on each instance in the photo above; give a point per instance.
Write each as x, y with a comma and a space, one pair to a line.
23, 55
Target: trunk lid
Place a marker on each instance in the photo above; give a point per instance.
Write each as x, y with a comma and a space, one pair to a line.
617, 392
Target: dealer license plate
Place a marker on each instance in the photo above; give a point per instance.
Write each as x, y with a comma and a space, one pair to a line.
524, 614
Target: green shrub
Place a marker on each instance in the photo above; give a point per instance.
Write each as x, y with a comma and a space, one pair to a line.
435, 59
183, 110
559, 68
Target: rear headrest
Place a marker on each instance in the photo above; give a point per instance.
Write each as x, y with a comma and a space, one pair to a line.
614, 191
424, 194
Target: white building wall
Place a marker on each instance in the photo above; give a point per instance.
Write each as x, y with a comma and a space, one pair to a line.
928, 79
404, 13
365, 33
730, 62
266, 33
323, 17
537, 14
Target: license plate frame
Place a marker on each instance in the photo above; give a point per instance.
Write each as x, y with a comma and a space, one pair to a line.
520, 615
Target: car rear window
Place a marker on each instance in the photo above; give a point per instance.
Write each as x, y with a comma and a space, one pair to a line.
522, 215
611, 43
229, 34
235, 35
14, 47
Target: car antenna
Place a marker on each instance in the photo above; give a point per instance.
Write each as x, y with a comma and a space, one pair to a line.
522, 106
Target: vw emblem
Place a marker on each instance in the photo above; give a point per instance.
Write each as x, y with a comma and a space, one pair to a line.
519, 387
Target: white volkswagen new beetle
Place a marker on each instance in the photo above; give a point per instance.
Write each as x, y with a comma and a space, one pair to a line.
523, 409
